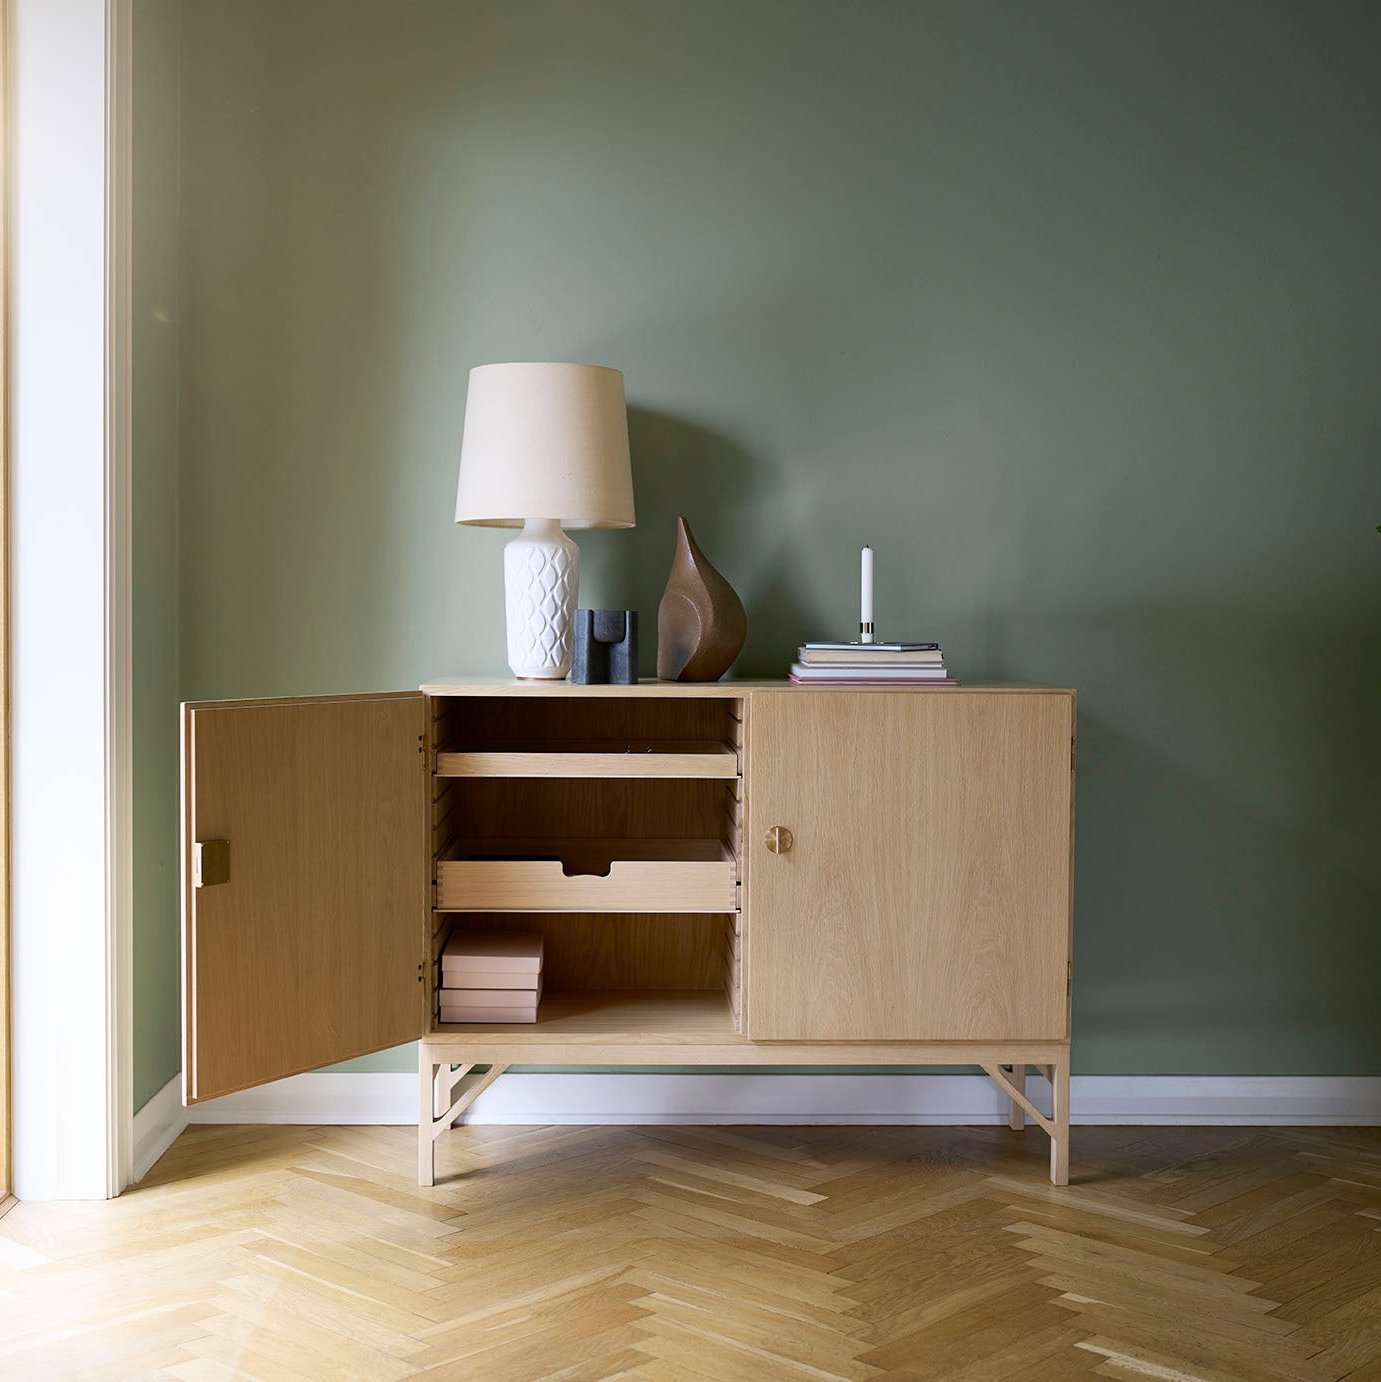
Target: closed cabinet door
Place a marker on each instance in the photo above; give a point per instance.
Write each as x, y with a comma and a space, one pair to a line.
910, 865
305, 885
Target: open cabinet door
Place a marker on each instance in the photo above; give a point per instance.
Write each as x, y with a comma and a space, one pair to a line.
305, 884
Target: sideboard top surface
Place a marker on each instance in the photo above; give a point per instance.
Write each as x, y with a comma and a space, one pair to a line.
651, 686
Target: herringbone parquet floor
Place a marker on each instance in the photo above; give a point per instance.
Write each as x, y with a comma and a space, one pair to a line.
680, 1253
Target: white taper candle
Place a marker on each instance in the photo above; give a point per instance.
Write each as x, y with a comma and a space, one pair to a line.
865, 616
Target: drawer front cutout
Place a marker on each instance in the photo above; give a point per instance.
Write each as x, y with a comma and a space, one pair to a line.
588, 876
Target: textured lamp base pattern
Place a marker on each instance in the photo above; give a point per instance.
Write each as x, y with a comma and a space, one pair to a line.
541, 569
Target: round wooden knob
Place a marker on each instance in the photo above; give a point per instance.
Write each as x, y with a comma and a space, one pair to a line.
780, 839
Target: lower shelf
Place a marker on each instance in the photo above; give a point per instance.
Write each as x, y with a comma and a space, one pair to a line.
687, 1027
659, 1016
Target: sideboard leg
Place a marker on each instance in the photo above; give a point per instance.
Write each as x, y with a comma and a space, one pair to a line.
442, 1085
426, 1135
1059, 1138
1016, 1115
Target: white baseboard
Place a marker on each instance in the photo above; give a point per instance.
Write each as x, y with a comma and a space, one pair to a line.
655, 1098
156, 1127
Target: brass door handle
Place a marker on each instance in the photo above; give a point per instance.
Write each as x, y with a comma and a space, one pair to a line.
210, 863
779, 839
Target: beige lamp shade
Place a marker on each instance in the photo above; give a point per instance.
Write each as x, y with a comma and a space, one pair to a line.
545, 441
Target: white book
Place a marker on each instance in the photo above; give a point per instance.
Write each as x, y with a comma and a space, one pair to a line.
876, 647
861, 657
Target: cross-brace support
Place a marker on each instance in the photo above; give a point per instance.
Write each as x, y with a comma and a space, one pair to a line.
449, 1085
440, 1105
1011, 1080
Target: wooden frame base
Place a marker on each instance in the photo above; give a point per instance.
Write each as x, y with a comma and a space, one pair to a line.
1012, 1082
439, 1104
448, 1085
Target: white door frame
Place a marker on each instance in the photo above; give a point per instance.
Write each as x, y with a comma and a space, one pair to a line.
71, 789
6, 1166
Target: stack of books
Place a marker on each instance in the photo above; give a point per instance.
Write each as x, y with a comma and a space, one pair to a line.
490, 976
877, 664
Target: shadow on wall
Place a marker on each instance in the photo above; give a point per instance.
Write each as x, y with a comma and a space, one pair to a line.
725, 493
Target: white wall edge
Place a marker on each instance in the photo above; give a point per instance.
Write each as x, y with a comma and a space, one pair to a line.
119, 631
68, 588
156, 1127
654, 1098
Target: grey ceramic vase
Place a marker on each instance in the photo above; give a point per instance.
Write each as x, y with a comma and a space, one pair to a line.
700, 622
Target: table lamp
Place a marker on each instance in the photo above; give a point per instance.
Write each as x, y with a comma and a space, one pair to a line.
544, 445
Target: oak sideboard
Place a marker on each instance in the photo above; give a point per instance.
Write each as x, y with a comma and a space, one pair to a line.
736, 873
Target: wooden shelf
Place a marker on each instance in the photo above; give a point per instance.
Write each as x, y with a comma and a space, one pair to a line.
649, 688
646, 688
587, 875
657, 758
665, 1017
686, 1027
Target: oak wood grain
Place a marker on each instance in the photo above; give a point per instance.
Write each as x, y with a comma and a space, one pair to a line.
568, 809
516, 722
587, 875
312, 951
661, 758
690, 1252
927, 894
594, 952
650, 687
694, 1028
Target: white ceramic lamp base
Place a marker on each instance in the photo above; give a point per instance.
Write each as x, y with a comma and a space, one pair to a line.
541, 567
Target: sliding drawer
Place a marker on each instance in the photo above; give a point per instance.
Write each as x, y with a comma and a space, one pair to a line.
594, 875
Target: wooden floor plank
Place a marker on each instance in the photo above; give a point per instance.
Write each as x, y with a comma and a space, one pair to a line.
676, 1253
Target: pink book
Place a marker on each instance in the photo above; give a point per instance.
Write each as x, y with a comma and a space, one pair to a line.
462, 981
873, 681
528, 1014
510, 952
490, 998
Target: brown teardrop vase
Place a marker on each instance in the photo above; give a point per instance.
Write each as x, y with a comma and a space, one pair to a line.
700, 622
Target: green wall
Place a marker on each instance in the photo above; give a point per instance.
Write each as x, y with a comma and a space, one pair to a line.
157, 1044
1072, 309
